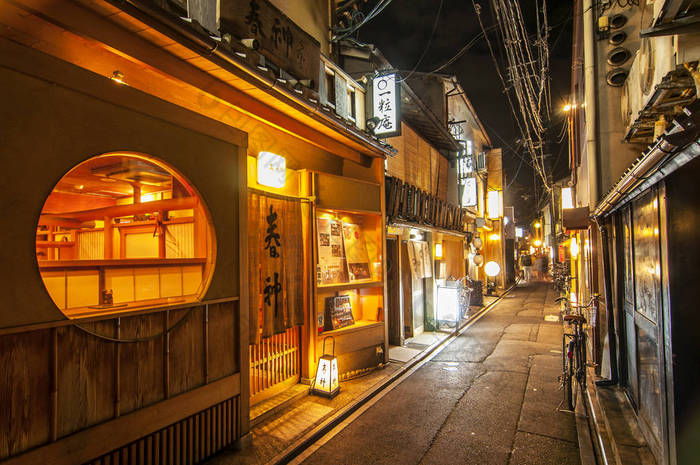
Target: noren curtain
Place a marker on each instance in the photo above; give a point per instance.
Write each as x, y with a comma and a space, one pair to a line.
275, 264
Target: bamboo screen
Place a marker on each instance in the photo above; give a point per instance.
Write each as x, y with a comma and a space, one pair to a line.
275, 261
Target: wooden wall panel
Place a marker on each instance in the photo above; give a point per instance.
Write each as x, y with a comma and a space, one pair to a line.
86, 377
141, 365
24, 391
418, 163
223, 353
186, 360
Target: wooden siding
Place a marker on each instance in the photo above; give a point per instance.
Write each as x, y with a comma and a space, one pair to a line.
418, 163
60, 381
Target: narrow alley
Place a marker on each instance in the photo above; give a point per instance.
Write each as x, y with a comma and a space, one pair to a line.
491, 396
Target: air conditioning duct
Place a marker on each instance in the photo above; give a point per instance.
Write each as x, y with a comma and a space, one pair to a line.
617, 37
618, 56
616, 77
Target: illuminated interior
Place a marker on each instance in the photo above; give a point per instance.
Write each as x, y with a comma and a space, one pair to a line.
123, 231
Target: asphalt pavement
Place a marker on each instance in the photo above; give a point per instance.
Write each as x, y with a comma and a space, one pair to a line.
489, 397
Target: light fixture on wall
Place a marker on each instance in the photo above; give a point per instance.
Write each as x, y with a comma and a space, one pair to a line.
438, 250
118, 77
326, 380
573, 247
271, 169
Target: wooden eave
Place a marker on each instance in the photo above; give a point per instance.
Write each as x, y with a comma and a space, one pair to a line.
101, 38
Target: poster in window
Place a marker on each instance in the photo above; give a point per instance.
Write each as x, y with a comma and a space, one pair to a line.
331, 253
426, 259
356, 252
339, 312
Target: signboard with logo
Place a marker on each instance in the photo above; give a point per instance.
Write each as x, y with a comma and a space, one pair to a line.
385, 98
281, 41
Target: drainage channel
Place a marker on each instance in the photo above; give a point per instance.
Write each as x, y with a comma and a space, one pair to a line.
313, 440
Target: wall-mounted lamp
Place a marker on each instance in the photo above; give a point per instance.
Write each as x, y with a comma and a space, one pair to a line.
573, 247
271, 169
251, 43
537, 242
118, 77
438, 250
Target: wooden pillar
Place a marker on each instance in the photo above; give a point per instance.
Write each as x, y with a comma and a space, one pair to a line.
109, 238
161, 237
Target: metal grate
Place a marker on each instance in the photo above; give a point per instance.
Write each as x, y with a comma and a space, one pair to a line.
188, 441
274, 360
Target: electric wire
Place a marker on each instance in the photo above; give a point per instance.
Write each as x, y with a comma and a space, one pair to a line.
427, 45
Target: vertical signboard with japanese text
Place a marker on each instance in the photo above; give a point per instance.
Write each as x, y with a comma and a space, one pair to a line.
385, 105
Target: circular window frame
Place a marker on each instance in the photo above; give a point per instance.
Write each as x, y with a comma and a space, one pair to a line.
207, 260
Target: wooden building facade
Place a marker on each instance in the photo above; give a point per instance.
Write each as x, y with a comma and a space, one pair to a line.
125, 332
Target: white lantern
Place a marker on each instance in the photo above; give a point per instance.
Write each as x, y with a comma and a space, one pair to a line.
326, 381
492, 269
478, 259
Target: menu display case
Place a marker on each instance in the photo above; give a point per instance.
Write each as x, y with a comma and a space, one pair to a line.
349, 284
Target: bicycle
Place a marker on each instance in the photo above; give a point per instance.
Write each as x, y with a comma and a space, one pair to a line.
574, 352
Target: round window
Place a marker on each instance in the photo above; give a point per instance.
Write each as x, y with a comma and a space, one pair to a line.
120, 232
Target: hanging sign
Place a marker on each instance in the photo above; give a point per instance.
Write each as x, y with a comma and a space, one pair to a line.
469, 194
385, 105
282, 42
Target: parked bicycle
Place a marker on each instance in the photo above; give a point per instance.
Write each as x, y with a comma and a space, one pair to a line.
574, 350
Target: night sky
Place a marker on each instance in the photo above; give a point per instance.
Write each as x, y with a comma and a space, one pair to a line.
402, 31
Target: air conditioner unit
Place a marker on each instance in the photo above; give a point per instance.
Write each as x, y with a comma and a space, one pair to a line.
658, 83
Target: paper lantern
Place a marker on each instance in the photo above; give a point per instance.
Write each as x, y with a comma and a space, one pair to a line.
326, 381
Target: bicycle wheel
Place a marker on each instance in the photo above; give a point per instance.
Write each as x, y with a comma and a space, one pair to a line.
570, 373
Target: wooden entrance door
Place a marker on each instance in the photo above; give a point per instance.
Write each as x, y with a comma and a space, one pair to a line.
393, 279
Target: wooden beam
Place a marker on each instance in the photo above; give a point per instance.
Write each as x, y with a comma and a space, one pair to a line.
114, 211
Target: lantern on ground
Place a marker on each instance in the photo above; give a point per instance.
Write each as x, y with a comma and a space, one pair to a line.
326, 381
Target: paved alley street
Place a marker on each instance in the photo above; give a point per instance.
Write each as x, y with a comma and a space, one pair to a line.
490, 397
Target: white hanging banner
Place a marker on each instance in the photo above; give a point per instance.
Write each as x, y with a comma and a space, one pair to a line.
385, 105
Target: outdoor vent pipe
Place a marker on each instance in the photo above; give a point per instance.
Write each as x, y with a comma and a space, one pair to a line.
589, 13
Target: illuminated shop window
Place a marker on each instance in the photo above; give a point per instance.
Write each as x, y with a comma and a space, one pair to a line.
120, 232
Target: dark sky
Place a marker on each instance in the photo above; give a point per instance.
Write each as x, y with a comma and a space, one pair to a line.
402, 31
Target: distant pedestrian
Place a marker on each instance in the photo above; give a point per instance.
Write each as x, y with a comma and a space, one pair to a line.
526, 262
539, 266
